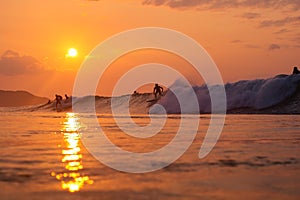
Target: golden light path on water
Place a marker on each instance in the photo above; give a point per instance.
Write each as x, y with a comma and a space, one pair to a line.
72, 179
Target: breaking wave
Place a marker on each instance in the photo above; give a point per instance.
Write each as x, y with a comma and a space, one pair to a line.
255, 94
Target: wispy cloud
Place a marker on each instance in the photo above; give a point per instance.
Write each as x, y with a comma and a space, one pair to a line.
252, 46
296, 39
11, 63
235, 41
293, 4
280, 22
251, 15
274, 47
154, 2
284, 30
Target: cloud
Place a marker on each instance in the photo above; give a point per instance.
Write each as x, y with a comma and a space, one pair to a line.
176, 3
11, 63
295, 40
252, 46
284, 30
235, 41
180, 4
251, 15
280, 22
154, 2
273, 47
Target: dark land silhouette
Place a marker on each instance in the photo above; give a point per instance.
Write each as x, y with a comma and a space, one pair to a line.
20, 98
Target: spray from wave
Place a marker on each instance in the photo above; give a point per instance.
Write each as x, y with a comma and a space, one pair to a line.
256, 94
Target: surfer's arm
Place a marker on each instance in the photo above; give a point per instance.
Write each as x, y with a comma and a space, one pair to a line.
162, 89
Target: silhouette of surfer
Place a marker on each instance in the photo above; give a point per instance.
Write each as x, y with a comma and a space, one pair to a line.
157, 90
58, 99
296, 70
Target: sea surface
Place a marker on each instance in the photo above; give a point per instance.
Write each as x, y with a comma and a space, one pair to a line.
42, 157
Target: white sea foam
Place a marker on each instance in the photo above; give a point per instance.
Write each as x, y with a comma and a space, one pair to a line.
256, 94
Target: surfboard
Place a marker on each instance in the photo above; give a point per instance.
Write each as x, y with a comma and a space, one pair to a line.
152, 101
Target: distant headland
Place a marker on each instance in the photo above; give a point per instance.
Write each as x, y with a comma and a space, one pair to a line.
19, 98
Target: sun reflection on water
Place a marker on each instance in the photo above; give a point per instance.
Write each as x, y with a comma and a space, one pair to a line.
72, 179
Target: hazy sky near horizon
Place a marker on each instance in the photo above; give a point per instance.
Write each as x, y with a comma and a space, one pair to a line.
247, 39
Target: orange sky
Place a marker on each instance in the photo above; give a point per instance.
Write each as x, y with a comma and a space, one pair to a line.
246, 39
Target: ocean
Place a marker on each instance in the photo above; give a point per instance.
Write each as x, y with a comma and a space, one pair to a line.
43, 157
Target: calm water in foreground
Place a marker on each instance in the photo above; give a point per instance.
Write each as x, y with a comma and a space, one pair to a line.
256, 157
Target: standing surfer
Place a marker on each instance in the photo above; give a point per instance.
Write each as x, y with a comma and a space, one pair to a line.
157, 90
58, 99
296, 70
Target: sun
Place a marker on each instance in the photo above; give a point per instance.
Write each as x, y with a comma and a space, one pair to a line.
72, 52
